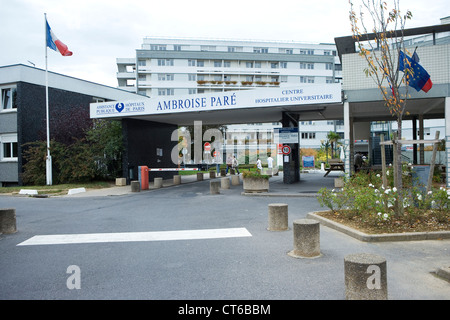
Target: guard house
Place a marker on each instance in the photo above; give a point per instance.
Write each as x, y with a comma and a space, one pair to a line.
150, 124
362, 100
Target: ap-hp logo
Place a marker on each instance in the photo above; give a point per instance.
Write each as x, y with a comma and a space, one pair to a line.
119, 107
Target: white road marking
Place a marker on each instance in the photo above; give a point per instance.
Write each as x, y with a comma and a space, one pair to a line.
136, 236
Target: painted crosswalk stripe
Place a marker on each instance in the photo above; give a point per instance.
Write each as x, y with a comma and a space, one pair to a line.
136, 236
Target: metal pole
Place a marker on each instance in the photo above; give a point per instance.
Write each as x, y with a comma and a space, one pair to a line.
48, 163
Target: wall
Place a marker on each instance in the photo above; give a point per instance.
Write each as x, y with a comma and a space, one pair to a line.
143, 143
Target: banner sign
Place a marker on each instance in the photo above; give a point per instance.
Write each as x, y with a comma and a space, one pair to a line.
244, 99
308, 161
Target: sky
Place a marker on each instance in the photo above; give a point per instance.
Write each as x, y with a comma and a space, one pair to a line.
99, 31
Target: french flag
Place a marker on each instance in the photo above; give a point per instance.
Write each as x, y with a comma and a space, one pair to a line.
54, 43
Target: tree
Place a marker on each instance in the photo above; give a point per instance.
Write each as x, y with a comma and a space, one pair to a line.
381, 47
333, 138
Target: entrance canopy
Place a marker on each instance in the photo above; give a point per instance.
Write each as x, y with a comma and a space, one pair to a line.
321, 102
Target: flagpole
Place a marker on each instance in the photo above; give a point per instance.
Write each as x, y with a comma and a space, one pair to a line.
48, 161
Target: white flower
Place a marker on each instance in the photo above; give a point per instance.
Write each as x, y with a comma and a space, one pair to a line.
379, 213
419, 196
394, 189
430, 192
387, 191
387, 173
385, 216
371, 185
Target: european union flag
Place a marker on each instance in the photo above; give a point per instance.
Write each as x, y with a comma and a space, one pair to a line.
419, 78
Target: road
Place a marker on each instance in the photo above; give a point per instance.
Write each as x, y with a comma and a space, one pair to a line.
252, 266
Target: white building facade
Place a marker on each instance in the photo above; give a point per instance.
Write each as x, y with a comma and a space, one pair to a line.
180, 66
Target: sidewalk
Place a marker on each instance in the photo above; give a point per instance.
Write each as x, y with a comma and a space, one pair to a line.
310, 183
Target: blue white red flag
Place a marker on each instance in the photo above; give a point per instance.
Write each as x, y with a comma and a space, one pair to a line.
54, 43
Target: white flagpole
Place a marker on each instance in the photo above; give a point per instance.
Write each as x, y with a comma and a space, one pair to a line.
48, 162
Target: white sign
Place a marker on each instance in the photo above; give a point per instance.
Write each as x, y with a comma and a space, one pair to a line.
245, 99
286, 135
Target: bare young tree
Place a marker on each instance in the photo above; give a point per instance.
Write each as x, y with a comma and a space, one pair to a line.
378, 32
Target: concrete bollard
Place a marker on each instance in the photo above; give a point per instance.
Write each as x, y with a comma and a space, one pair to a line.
121, 181
223, 172
8, 221
225, 183
278, 217
199, 176
214, 187
306, 239
135, 186
365, 277
235, 180
212, 174
177, 179
158, 183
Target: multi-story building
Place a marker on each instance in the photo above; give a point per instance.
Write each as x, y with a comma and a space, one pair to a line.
180, 66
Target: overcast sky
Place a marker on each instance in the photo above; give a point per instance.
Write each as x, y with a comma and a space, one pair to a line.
99, 31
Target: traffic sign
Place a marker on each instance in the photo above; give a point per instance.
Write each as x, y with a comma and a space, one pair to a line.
286, 150
207, 146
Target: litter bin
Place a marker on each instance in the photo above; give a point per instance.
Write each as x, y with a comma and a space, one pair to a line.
143, 177
419, 174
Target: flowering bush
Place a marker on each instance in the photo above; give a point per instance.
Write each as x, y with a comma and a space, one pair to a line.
363, 195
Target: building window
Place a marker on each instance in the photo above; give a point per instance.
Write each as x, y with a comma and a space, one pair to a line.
307, 51
328, 66
165, 92
165, 77
165, 62
235, 49
200, 63
308, 135
191, 63
9, 148
249, 64
177, 47
8, 99
283, 65
192, 91
306, 80
274, 65
260, 50
192, 77
141, 63
227, 64
158, 47
217, 63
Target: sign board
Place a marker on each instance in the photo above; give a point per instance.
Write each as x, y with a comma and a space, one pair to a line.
286, 135
286, 150
308, 161
207, 146
228, 100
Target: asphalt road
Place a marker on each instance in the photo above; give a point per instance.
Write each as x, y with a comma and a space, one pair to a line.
256, 267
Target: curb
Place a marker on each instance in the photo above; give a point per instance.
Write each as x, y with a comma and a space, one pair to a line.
361, 236
268, 194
